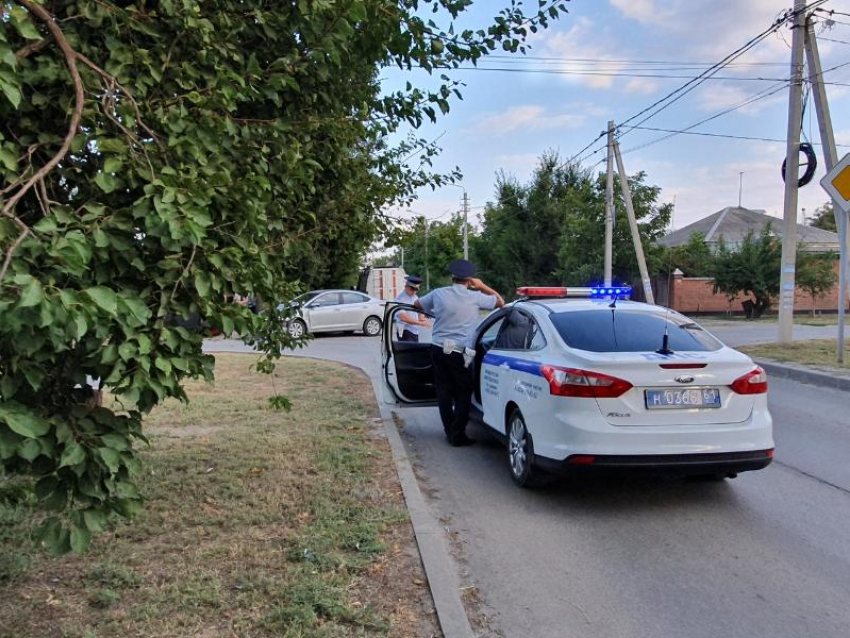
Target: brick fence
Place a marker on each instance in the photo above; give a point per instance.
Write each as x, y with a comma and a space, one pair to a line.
692, 295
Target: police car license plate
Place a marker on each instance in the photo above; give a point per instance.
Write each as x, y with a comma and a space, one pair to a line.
682, 398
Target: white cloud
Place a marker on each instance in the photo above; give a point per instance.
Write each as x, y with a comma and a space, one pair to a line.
644, 11
643, 86
528, 117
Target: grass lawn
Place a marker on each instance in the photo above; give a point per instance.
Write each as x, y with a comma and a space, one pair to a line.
258, 523
817, 352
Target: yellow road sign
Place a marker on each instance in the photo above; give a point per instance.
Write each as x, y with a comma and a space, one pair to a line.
837, 183
841, 182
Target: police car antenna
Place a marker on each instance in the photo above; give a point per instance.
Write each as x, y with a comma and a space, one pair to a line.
665, 340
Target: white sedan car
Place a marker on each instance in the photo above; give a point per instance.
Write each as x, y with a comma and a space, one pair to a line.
571, 382
335, 311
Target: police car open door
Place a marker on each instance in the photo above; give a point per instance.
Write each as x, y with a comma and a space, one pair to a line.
407, 375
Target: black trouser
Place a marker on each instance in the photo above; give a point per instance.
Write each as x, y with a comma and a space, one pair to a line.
407, 335
454, 390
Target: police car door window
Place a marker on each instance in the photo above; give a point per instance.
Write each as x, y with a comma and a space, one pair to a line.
537, 340
488, 337
516, 332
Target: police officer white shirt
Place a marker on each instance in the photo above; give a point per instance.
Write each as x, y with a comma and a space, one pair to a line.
403, 297
456, 313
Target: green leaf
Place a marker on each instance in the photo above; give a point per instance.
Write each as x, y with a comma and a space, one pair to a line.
21, 19
46, 225
106, 182
115, 442
11, 91
163, 364
112, 165
80, 325
80, 539
95, 520
104, 298
9, 159
29, 450
74, 454
31, 295
111, 458
227, 325
23, 421
54, 537
202, 282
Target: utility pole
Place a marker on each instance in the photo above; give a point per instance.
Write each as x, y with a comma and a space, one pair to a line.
609, 207
740, 187
630, 210
792, 171
402, 257
465, 225
830, 156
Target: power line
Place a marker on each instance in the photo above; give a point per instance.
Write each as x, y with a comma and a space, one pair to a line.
721, 135
726, 78
820, 37
619, 62
758, 96
674, 96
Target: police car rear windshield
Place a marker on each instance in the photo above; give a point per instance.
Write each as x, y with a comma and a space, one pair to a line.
621, 330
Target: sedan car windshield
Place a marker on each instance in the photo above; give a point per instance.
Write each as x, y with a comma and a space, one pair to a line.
622, 330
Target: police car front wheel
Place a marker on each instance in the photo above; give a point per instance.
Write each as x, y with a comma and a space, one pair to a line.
521, 452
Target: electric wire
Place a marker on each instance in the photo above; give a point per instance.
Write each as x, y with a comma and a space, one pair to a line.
676, 95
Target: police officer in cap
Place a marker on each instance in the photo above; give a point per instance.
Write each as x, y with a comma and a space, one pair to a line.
409, 323
456, 310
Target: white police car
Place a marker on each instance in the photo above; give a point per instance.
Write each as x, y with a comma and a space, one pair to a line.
579, 378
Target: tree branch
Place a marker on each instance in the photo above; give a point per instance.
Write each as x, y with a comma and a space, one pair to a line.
113, 81
32, 47
71, 60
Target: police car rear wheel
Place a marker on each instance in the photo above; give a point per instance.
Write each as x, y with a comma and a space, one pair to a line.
520, 451
372, 327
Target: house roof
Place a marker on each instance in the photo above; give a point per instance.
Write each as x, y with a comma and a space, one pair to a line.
733, 224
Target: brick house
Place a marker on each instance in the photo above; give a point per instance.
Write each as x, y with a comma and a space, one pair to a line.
693, 295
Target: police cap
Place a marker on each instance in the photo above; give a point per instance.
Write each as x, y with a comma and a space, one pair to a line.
413, 281
462, 269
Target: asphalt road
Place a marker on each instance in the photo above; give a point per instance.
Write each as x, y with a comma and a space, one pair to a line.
766, 554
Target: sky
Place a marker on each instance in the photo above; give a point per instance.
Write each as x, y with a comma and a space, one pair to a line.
591, 66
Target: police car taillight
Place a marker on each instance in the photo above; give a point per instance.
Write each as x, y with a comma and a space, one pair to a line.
571, 382
754, 382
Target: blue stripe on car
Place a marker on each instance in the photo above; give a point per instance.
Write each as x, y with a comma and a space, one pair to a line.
521, 365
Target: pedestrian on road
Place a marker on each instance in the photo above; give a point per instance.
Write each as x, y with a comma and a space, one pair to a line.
409, 323
456, 314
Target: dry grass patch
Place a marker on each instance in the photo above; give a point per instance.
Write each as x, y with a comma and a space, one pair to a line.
816, 352
258, 523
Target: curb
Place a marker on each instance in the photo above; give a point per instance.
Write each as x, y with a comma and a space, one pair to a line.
440, 569
443, 579
805, 375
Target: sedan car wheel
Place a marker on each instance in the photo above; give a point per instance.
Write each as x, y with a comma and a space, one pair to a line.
372, 327
296, 329
520, 451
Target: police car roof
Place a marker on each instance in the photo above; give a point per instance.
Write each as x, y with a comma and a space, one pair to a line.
576, 304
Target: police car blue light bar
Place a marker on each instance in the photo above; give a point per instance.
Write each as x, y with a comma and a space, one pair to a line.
609, 292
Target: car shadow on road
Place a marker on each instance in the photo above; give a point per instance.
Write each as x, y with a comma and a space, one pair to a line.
605, 492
